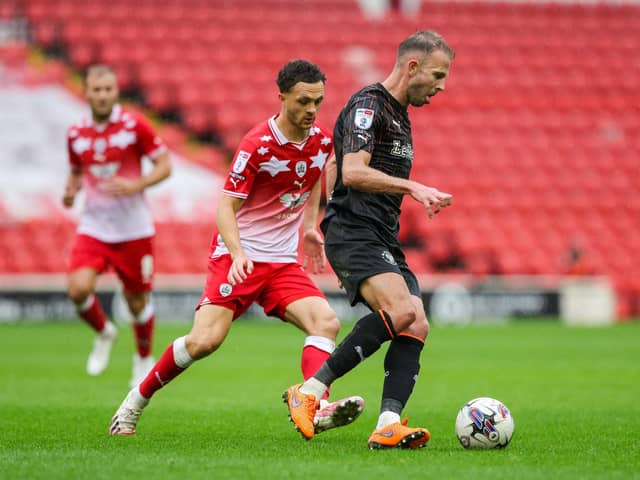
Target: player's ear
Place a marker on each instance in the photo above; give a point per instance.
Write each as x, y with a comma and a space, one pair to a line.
413, 65
281, 96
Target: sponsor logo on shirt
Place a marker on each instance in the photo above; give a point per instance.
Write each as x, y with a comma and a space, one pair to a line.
363, 118
235, 178
293, 200
402, 150
387, 257
105, 170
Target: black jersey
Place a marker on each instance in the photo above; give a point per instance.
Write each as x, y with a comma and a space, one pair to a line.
374, 121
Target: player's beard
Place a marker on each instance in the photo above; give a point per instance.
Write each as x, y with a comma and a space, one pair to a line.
101, 115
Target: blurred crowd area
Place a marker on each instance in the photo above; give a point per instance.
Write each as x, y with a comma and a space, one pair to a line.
537, 134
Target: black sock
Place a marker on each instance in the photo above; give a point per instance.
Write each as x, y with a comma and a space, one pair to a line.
401, 367
367, 335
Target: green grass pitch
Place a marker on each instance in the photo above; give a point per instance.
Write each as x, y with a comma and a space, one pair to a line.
574, 394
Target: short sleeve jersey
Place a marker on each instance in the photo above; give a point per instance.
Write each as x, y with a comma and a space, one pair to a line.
374, 121
102, 152
275, 177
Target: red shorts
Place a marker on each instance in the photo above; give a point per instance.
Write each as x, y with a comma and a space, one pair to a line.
271, 285
131, 260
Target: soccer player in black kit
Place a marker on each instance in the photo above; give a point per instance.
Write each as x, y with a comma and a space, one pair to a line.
374, 155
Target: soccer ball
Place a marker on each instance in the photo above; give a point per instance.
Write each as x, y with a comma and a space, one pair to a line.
484, 423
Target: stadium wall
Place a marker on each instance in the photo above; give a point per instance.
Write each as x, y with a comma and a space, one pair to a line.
458, 300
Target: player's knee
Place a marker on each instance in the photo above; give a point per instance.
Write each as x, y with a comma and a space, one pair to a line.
403, 315
324, 324
331, 325
420, 328
78, 293
136, 305
202, 345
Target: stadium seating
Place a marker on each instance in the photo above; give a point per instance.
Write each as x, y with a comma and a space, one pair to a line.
537, 135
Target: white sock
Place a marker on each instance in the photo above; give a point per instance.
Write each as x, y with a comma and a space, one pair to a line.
136, 400
144, 316
180, 354
86, 305
321, 343
109, 329
313, 387
387, 418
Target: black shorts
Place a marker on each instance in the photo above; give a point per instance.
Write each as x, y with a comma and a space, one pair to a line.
357, 252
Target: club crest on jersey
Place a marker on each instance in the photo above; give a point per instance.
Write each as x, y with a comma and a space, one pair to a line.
99, 145
241, 161
301, 168
225, 289
363, 118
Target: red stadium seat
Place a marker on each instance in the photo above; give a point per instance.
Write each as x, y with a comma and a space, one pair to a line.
531, 159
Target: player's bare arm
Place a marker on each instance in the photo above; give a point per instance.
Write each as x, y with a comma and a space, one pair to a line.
330, 174
227, 225
312, 241
357, 174
74, 184
120, 186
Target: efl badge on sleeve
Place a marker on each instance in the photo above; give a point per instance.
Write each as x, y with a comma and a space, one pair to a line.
364, 118
241, 161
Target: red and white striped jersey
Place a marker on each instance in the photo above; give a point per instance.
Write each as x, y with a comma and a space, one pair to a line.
104, 151
275, 177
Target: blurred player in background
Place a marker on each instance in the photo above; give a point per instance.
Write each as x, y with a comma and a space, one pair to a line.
116, 227
374, 155
273, 188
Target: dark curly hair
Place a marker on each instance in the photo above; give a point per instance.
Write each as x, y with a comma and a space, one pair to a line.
298, 71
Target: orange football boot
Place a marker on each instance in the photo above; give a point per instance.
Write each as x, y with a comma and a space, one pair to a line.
399, 435
302, 410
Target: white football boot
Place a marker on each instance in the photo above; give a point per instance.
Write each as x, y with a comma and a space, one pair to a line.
337, 414
126, 418
99, 357
141, 367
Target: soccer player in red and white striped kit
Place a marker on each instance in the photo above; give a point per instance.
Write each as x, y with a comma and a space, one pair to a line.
116, 226
273, 188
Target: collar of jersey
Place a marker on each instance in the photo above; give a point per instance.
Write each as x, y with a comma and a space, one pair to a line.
280, 137
116, 112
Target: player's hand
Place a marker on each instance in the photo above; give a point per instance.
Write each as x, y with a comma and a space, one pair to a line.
312, 248
69, 196
120, 186
241, 268
433, 199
